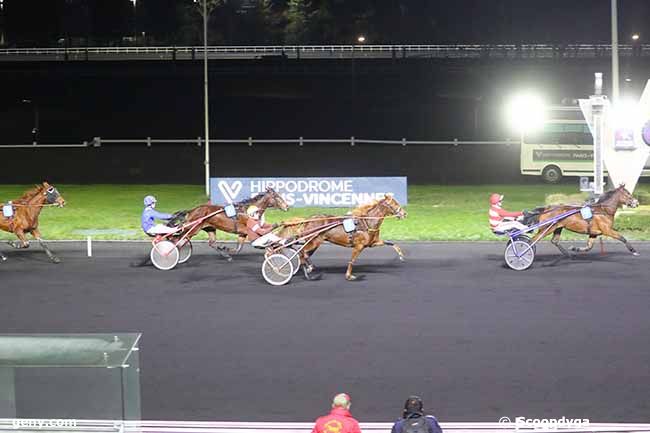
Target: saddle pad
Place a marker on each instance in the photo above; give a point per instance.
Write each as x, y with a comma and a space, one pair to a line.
349, 225
7, 211
230, 210
586, 212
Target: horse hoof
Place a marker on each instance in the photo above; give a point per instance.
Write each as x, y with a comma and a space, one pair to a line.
350, 277
402, 259
636, 253
56, 260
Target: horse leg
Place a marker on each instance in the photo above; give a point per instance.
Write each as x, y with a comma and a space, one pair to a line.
397, 249
555, 240
22, 241
240, 244
305, 257
590, 245
222, 251
355, 253
616, 235
37, 236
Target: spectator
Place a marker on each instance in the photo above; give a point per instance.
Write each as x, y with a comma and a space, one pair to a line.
339, 420
414, 420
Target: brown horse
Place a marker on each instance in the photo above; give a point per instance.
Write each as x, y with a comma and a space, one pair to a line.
25, 219
369, 219
602, 222
268, 199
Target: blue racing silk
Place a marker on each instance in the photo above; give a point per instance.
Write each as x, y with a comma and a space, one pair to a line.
149, 215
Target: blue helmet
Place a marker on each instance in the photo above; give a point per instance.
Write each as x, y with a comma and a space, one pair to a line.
149, 200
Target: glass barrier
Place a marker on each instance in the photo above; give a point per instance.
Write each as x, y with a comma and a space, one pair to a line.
70, 376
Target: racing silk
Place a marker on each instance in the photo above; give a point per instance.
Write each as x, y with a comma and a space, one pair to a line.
255, 228
149, 215
497, 214
338, 421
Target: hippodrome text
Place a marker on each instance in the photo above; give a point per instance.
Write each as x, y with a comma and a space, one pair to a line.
33, 423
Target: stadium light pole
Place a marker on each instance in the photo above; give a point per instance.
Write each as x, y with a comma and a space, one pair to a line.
206, 111
615, 82
135, 20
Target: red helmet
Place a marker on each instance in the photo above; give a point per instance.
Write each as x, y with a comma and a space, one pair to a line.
495, 198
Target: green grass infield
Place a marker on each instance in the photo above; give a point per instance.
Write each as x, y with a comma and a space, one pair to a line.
435, 213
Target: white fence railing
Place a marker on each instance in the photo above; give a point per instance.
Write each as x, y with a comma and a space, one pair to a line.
104, 426
250, 141
460, 51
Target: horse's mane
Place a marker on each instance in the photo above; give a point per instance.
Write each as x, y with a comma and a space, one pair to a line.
364, 208
250, 200
607, 195
27, 195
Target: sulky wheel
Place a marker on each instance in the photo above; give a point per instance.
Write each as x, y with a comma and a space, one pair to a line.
294, 256
164, 255
526, 239
185, 251
277, 269
519, 255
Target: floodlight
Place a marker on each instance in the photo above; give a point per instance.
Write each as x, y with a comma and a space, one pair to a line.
526, 112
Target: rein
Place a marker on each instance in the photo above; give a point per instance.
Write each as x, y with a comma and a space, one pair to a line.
308, 220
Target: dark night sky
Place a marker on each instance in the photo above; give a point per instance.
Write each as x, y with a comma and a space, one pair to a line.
33, 22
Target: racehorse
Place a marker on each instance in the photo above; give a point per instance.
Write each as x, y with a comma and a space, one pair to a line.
601, 223
25, 220
369, 219
237, 225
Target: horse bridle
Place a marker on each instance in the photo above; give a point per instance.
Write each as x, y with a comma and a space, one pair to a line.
392, 209
51, 195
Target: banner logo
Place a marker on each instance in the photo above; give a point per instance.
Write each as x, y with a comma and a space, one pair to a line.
230, 191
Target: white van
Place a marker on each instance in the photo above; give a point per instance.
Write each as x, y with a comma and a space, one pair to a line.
563, 147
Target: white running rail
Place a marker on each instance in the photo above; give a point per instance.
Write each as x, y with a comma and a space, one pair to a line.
107, 426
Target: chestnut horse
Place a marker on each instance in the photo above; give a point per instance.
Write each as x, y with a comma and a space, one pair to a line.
601, 223
237, 225
25, 219
369, 219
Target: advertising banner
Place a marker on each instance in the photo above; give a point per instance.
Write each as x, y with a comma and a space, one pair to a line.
310, 191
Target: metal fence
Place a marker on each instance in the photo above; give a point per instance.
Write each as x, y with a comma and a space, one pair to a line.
250, 141
452, 51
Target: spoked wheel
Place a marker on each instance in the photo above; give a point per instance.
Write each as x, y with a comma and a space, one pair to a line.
164, 255
184, 251
277, 269
519, 255
526, 239
294, 256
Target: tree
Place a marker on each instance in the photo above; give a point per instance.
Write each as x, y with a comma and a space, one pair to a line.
298, 20
191, 21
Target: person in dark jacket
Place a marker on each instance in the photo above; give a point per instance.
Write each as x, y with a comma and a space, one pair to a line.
413, 411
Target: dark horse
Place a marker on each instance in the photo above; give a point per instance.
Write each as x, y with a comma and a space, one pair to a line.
25, 220
369, 220
602, 222
237, 225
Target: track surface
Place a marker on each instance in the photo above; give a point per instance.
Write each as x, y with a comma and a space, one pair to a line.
475, 340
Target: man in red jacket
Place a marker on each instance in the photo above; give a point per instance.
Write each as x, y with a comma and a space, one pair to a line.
502, 220
339, 420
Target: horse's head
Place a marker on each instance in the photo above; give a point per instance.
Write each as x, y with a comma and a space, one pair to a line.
276, 200
393, 205
52, 195
625, 198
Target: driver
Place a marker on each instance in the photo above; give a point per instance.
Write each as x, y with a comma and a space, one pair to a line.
150, 214
502, 220
260, 233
